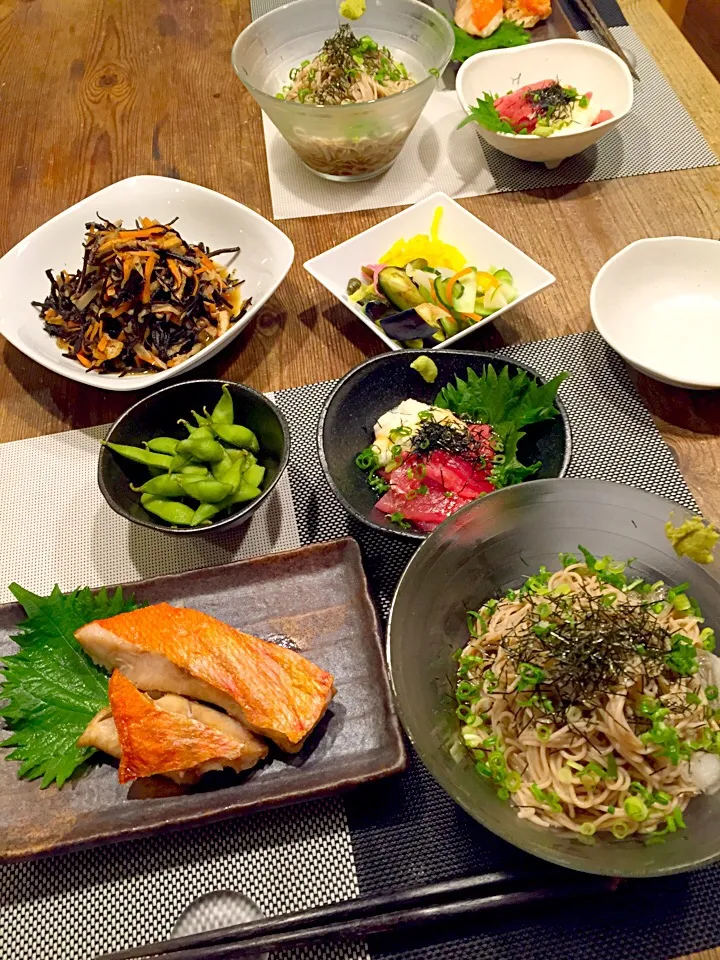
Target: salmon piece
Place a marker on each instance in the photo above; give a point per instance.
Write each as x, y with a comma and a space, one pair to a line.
154, 740
242, 748
481, 18
273, 691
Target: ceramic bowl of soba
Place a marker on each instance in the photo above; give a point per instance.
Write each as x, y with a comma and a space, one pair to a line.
345, 95
551, 654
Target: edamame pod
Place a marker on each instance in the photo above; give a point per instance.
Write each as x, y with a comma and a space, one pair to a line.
140, 455
174, 512
166, 486
206, 490
194, 470
167, 445
237, 435
201, 448
245, 492
254, 475
223, 410
205, 513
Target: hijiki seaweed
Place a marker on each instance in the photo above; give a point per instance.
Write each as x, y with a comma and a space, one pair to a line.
145, 299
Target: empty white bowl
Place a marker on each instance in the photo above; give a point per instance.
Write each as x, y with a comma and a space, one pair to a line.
657, 303
476, 240
265, 257
586, 66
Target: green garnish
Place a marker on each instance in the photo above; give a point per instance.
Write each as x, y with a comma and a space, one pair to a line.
485, 113
507, 404
52, 688
508, 34
426, 367
400, 520
695, 538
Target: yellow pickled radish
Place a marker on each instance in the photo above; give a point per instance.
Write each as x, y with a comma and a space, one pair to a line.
426, 247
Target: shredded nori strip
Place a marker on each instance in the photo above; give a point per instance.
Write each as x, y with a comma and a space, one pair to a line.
144, 299
448, 436
554, 102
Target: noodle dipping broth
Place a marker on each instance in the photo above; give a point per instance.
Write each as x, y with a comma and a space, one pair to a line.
589, 699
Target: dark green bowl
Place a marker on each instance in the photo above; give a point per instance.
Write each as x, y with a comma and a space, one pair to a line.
158, 415
485, 549
368, 391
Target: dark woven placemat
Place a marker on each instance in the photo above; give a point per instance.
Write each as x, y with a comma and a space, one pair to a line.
407, 830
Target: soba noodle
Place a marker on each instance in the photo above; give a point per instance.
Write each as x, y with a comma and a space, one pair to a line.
584, 696
347, 70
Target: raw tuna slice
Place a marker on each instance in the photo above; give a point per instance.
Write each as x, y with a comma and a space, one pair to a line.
602, 117
517, 109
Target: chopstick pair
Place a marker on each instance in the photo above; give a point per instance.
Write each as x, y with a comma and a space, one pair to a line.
354, 920
603, 30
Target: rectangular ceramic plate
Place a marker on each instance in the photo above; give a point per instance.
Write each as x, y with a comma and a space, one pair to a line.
318, 597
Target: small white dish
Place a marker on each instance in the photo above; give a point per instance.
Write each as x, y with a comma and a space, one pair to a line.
481, 245
657, 303
586, 66
265, 257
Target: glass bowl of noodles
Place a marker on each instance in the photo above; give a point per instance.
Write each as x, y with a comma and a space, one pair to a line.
567, 700
344, 95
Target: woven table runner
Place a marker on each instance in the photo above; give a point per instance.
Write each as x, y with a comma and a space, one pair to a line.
659, 135
392, 833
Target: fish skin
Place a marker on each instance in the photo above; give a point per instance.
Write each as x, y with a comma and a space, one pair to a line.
274, 691
156, 741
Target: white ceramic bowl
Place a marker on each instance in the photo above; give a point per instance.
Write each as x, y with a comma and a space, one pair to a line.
265, 257
657, 303
481, 245
577, 63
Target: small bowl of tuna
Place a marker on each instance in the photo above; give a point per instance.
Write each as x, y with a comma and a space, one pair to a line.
408, 438
547, 101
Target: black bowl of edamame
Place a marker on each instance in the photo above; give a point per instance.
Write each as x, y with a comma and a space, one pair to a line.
195, 456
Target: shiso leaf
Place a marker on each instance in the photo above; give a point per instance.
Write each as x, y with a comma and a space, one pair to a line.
51, 688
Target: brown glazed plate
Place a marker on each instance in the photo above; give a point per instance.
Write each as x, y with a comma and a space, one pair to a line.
315, 596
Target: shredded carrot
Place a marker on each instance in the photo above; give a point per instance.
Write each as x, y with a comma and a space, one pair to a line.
103, 342
453, 280
474, 316
83, 360
128, 265
149, 267
175, 271
140, 234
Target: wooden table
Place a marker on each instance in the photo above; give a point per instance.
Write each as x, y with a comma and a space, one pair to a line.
95, 90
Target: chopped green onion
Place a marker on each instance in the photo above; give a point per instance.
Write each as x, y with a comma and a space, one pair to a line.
573, 714
565, 775
620, 830
483, 769
661, 797
707, 638
543, 732
611, 809
711, 692
513, 781
587, 829
636, 809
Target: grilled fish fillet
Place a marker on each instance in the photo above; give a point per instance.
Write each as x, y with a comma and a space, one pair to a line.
273, 691
170, 736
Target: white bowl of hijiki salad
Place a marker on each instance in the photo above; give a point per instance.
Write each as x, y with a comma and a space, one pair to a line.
546, 101
429, 275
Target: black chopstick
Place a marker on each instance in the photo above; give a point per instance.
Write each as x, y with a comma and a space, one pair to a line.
603, 30
360, 918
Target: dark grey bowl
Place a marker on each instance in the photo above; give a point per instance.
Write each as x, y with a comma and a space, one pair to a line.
485, 549
368, 391
158, 414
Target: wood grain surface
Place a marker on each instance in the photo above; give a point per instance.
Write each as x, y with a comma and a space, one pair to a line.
95, 90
